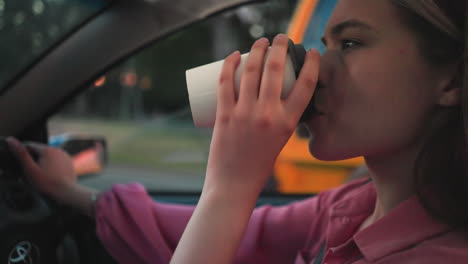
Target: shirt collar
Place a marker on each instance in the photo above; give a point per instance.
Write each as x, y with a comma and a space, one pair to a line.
346, 215
358, 203
403, 227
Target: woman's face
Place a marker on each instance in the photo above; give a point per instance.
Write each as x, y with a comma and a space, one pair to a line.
377, 90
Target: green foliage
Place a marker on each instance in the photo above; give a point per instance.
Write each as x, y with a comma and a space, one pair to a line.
28, 28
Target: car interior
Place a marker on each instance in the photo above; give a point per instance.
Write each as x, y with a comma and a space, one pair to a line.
34, 228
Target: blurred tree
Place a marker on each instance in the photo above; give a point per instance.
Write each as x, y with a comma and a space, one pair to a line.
211, 40
161, 65
28, 28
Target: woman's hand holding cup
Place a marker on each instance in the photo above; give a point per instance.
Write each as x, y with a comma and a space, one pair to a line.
251, 130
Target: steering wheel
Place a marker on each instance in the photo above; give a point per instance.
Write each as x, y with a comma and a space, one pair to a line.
33, 228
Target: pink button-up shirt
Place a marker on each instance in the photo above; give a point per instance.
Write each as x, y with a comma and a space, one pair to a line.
322, 229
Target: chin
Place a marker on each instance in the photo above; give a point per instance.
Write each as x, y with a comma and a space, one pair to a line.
321, 151
328, 152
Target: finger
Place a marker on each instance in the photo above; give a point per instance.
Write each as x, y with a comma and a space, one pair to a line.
252, 74
20, 152
273, 75
35, 150
36, 147
305, 85
226, 92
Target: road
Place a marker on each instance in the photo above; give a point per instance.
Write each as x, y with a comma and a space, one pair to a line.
151, 179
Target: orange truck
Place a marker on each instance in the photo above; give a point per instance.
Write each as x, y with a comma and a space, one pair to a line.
296, 171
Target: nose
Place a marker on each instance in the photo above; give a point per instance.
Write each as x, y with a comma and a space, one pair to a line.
327, 60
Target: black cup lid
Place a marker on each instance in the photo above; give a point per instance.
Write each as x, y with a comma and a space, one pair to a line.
297, 53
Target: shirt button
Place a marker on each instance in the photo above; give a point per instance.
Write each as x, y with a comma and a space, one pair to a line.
345, 220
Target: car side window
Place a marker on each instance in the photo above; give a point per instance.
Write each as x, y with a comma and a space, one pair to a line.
141, 107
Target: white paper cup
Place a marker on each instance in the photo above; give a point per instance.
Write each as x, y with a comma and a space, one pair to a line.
202, 85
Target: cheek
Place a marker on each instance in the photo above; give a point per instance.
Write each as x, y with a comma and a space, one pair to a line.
378, 105
393, 102
386, 84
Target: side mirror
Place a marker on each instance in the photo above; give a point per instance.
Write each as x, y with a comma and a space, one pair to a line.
89, 153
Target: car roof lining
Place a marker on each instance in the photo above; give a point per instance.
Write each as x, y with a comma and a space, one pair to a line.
98, 45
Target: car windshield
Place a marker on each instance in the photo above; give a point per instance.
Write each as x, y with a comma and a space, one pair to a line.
28, 28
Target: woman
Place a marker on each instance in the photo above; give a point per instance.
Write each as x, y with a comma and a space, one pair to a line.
394, 89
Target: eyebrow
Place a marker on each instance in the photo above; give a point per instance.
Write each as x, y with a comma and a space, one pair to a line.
352, 23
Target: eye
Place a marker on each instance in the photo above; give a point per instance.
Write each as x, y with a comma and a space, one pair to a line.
347, 44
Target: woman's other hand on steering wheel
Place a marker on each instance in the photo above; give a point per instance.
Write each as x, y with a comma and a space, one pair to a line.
53, 171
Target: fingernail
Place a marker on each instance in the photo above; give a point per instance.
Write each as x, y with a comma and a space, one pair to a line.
313, 52
263, 41
235, 53
12, 142
281, 36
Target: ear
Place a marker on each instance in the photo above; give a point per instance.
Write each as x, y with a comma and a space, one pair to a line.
450, 93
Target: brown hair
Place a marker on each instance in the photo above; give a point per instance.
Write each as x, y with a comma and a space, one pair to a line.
441, 173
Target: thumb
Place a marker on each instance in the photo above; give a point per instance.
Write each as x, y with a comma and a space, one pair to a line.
20, 152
